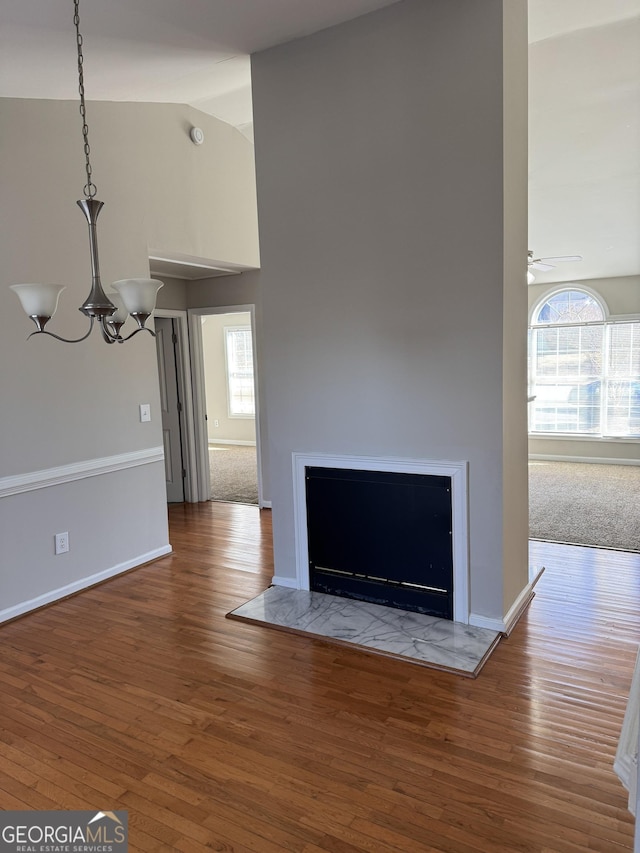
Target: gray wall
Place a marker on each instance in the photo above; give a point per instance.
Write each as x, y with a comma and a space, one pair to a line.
223, 291
173, 295
382, 180
63, 404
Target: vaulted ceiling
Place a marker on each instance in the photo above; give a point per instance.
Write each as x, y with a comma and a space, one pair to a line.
584, 92
584, 136
192, 51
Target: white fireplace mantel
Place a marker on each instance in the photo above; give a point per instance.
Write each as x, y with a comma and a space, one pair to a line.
457, 471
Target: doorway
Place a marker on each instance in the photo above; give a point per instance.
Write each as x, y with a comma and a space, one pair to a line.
226, 398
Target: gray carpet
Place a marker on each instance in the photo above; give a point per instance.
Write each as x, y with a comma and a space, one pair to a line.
573, 502
234, 473
585, 504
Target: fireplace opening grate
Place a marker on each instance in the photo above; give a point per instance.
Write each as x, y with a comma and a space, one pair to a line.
424, 587
384, 537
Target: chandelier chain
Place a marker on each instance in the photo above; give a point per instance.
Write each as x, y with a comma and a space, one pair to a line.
89, 188
137, 295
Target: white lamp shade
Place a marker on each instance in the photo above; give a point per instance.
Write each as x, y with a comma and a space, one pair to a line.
38, 300
138, 294
530, 277
121, 313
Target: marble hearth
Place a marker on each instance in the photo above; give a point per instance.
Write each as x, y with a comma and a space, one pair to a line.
414, 637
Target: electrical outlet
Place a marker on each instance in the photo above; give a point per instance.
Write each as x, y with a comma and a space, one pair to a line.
62, 543
216, 423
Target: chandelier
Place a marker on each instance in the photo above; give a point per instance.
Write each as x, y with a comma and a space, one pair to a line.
133, 296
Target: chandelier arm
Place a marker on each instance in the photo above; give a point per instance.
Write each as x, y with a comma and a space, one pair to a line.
135, 332
117, 338
107, 335
64, 340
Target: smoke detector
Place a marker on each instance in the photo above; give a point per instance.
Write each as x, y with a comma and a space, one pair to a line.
197, 135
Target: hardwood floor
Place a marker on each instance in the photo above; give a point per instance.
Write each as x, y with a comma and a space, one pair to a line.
220, 735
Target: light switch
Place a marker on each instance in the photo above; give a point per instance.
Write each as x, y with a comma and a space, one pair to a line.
145, 412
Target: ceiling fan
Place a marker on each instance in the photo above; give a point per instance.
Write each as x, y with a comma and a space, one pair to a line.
546, 264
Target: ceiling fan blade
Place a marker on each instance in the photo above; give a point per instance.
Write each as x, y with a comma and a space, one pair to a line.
536, 265
563, 259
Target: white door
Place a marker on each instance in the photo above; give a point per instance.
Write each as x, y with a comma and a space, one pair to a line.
171, 408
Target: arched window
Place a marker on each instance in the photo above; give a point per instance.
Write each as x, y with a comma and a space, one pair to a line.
584, 370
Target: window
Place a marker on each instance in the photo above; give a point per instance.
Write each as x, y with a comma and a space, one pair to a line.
240, 385
584, 370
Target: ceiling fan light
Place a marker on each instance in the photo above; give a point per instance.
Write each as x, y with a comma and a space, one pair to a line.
530, 277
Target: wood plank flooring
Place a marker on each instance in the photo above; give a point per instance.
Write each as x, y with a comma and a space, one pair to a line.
220, 735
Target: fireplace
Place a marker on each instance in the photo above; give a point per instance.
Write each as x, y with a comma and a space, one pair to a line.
389, 531
381, 536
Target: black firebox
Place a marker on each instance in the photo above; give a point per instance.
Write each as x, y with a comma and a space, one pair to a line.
384, 537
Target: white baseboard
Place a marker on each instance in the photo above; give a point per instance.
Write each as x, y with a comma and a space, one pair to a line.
480, 621
290, 583
626, 760
266, 505
83, 583
517, 609
231, 441
508, 622
598, 460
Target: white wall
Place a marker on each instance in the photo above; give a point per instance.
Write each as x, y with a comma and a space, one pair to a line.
381, 182
622, 297
584, 182
213, 347
65, 404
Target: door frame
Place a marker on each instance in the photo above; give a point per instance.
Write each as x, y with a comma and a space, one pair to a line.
199, 396
185, 385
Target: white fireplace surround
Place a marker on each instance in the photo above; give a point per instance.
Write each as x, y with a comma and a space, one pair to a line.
457, 471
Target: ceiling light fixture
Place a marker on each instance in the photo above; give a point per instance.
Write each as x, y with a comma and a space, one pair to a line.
530, 276
547, 264
134, 296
